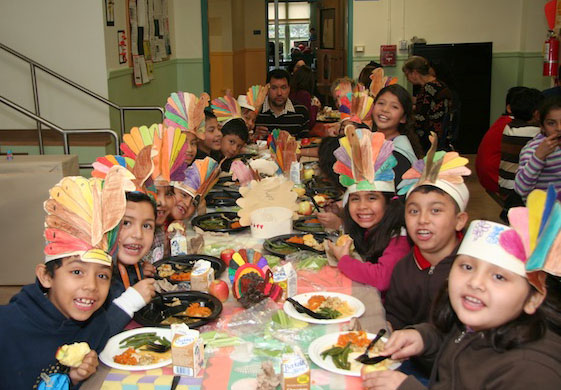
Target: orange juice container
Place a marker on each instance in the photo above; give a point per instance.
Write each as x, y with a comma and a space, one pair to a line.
295, 372
187, 351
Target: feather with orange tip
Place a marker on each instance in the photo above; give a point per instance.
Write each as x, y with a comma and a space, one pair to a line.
256, 95
380, 81
226, 108
185, 111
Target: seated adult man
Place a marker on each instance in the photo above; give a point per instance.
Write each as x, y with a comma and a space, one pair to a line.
278, 112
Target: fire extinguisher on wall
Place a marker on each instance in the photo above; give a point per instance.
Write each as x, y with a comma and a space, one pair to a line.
551, 55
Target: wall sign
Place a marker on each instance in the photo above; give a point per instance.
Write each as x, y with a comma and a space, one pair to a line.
388, 55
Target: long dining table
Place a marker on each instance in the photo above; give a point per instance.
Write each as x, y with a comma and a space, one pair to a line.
236, 367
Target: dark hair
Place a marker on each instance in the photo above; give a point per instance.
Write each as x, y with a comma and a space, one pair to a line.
551, 307
427, 188
236, 126
302, 79
524, 103
417, 63
52, 266
364, 76
209, 114
137, 197
524, 329
372, 243
326, 149
407, 128
278, 74
510, 93
552, 103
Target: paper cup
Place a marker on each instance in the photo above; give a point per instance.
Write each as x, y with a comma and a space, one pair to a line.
270, 222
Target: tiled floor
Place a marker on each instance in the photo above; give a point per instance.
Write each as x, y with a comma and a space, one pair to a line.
481, 206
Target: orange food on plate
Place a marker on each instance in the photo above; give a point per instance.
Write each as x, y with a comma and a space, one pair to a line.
295, 240
235, 225
313, 220
195, 309
315, 302
127, 358
360, 339
181, 276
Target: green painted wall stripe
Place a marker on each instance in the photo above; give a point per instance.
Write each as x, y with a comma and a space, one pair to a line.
157, 66
506, 54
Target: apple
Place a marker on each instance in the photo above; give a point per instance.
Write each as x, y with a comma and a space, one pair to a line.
305, 141
299, 189
219, 289
320, 200
308, 174
226, 255
305, 208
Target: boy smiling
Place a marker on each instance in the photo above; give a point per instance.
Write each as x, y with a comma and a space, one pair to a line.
64, 305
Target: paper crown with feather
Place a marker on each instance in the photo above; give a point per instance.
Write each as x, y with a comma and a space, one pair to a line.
283, 148
226, 108
200, 177
256, 95
380, 81
185, 111
357, 105
82, 215
167, 157
444, 170
344, 87
365, 161
531, 247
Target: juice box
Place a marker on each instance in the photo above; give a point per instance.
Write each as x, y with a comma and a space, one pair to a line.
187, 351
285, 276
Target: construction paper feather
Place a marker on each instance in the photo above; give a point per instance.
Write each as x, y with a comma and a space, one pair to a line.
185, 111
81, 213
199, 177
284, 149
437, 165
356, 105
226, 108
365, 159
256, 95
380, 81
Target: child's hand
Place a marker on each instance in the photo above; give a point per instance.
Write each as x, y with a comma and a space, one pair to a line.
84, 370
547, 146
383, 380
329, 220
146, 288
148, 269
261, 132
340, 251
403, 344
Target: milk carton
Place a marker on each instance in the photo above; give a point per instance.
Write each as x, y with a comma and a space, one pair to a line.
202, 275
295, 372
285, 276
187, 351
178, 242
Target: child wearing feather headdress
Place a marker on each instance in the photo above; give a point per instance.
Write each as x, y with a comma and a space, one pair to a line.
210, 144
64, 305
251, 104
190, 193
373, 215
488, 327
436, 199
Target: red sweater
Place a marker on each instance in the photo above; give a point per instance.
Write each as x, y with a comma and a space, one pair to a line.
489, 155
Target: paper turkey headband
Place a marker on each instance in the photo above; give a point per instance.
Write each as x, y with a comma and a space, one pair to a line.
531, 247
444, 170
380, 81
254, 98
365, 162
226, 108
200, 177
155, 155
82, 214
185, 111
357, 105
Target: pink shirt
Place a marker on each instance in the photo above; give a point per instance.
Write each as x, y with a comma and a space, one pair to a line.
379, 274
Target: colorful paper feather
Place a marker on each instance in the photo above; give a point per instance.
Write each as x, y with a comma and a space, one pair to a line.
199, 177
185, 111
226, 108
256, 95
356, 106
380, 81
364, 158
81, 213
436, 165
284, 149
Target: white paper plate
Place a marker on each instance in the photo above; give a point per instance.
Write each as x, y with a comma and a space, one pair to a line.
112, 349
357, 305
327, 341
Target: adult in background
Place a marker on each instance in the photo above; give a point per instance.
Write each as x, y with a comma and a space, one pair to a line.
432, 102
278, 111
301, 92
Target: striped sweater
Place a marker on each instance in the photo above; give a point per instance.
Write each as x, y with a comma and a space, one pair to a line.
535, 173
515, 135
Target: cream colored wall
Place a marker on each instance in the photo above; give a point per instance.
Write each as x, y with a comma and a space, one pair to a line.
512, 25
66, 36
186, 28
220, 25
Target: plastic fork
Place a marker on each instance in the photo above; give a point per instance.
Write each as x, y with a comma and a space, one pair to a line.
364, 357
